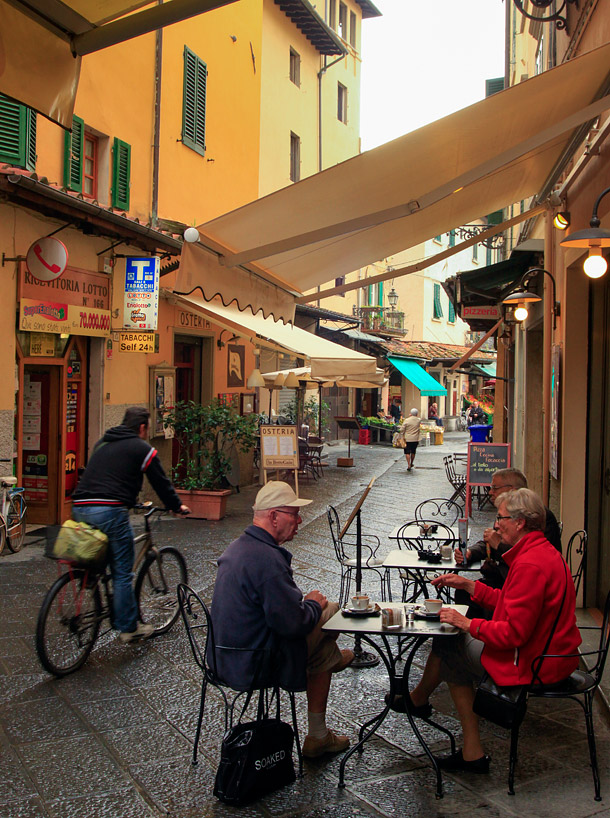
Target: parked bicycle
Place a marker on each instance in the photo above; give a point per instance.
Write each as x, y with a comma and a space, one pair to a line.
12, 514
80, 599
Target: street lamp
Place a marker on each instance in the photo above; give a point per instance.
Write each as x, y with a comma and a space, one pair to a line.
594, 239
523, 297
393, 298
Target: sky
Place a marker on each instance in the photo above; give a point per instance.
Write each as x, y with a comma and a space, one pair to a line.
424, 59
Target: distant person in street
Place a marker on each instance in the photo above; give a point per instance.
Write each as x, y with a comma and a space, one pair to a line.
491, 549
410, 431
536, 604
395, 410
107, 490
433, 414
266, 632
476, 415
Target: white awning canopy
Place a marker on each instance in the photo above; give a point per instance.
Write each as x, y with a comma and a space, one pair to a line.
327, 359
462, 167
303, 374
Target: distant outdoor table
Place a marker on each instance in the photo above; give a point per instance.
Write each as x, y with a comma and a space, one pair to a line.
407, 561
413, 531
415, 633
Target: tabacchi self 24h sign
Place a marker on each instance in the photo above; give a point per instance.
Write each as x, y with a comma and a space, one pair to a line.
141, 306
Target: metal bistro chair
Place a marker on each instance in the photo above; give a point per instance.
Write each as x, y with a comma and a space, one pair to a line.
458, 481
581, 683
439, 510
576, 556
414, 584
200, 631
345, 550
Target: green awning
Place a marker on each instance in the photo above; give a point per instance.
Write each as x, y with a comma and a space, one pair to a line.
418, 376
488, 369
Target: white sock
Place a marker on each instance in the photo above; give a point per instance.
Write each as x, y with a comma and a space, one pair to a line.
317, 725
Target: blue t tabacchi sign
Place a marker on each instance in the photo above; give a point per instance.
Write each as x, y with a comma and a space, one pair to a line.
141, 306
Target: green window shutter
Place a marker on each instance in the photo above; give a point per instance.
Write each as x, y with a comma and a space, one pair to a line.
17, 134
73, 155
475, 252
380, 294
194, 102
438, 310
451, 317
493, 86
121, 174
496, 217
452, 238
369, 295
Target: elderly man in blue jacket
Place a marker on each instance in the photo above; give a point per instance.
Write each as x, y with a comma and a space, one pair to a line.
266, 632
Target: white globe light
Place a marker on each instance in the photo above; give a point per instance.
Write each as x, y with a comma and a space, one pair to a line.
595, 266
521, 313
191, 234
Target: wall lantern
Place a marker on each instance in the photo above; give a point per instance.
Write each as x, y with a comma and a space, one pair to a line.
562, 220
191, 234
518, 300
594, 239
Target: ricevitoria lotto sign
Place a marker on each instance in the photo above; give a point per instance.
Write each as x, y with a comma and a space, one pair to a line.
77, 303
141, 307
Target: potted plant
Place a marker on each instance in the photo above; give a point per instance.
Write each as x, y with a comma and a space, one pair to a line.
205, 435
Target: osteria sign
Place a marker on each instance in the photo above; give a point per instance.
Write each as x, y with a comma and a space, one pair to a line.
76, 303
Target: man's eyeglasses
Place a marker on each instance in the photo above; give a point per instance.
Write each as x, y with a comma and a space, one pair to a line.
501, 486
283, 511
503, 517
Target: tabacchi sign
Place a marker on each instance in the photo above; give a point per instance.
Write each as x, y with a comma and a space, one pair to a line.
77, 303
141, 306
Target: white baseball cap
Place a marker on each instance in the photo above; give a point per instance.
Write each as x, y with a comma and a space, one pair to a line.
276, 494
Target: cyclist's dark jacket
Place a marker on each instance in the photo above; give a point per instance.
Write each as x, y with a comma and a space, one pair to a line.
116, 470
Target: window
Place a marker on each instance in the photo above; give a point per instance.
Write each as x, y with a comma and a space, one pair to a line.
342, 30
339, 282
295, 157
90, 166
438, 310
452, 238
332, 13
352, 29
475, 252
295, 67
193, 103
17, 134
341, 102
451, 317
121, 174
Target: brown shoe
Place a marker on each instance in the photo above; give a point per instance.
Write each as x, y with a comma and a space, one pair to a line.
347, 657
331, 743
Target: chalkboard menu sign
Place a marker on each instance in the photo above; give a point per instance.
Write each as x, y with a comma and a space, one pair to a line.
484, 459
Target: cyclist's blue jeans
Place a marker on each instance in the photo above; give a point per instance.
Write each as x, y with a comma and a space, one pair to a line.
114, 521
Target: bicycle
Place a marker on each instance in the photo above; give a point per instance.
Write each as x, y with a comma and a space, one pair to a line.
13, 513
80, 599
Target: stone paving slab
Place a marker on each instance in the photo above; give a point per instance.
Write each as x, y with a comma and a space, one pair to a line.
115, 739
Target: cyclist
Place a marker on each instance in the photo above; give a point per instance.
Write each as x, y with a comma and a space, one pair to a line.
108, 488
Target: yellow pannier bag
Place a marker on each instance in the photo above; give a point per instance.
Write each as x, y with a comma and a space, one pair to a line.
82, 543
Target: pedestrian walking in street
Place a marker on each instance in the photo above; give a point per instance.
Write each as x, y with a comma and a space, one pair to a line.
410, 432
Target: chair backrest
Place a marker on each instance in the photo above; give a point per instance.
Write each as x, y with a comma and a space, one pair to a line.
440, 510
576, 556
199, 629
604, 643
416, 541
335, 530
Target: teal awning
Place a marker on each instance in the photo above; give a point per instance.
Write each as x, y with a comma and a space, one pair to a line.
488, 369
418, 376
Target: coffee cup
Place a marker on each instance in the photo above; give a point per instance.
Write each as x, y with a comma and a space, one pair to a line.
433, 606
360, 602
425, 528
446, 552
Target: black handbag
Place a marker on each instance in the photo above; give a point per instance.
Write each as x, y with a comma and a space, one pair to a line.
255, 759
505, 705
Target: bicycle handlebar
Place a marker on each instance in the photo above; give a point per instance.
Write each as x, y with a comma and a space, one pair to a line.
157, 509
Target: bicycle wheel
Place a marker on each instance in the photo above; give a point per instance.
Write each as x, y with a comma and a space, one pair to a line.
156, 586
16, 522
68, 623
3, 537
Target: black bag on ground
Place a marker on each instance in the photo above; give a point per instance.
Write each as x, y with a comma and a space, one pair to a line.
255, 759
504, 706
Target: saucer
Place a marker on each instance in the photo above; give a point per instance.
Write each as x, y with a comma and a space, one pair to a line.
372, 610
422, 613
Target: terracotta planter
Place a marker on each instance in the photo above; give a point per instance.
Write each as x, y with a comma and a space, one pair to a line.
205, 505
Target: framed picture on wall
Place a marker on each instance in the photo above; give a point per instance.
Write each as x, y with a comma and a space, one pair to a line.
229, 399
248, 403
236, 361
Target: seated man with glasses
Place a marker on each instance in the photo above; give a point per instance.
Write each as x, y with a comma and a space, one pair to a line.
266, 632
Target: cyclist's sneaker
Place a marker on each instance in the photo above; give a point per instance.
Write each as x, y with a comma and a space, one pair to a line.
143, 631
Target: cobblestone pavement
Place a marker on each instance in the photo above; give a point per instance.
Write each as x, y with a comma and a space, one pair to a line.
115, 738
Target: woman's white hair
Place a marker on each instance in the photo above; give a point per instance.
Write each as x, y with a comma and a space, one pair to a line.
525, 504
414, 412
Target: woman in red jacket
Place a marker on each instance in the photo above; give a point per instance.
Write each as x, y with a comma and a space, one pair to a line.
525, 610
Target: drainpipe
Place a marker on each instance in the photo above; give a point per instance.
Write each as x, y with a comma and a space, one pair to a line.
157, 125
321, 73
